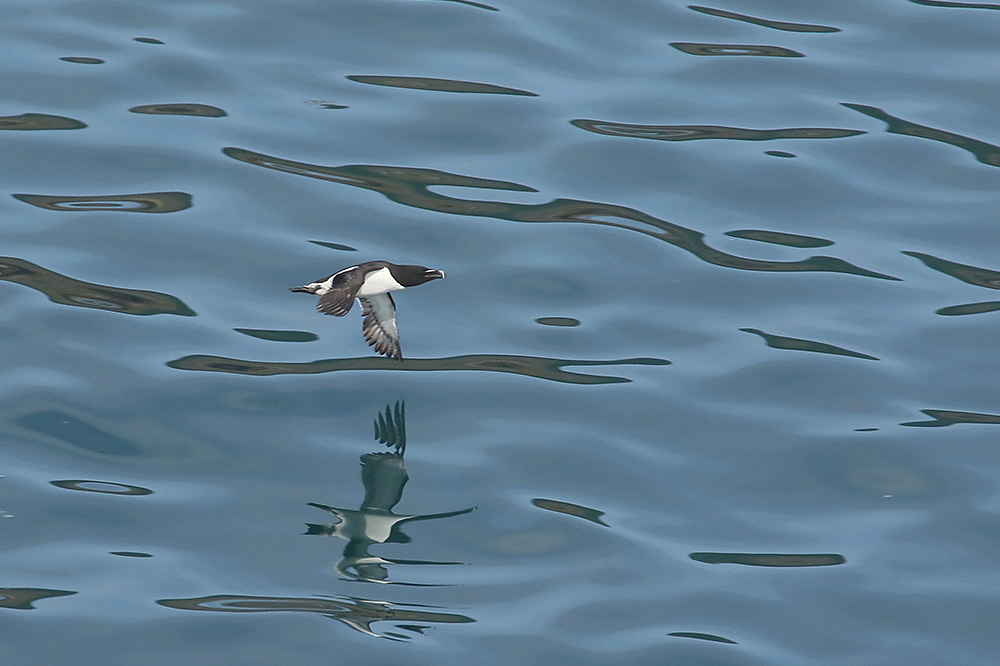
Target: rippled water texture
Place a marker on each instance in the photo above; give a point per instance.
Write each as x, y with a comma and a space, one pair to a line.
712, 378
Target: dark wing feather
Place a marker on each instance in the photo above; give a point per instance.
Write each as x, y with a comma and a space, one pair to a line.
339, 300
379, 324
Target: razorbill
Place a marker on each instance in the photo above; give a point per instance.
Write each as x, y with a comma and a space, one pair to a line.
370, 283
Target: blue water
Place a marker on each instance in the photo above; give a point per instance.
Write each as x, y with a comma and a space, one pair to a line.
712, 378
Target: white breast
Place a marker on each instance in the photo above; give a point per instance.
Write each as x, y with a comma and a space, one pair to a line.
379, 282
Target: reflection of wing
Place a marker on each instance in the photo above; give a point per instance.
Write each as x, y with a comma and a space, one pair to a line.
339, 299
391, 428
380, 324
383, 476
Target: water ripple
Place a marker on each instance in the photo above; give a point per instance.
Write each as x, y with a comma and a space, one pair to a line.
129, 553
558, 321
946, 417
980, 277
180, 110
23, 598
692, 48
767, 23
106, 487
477, 5
439, 85
530, 366
770, 559
334, 246
779, 238
68, 291
278, 336
39, 121
83, 60
700, 636
411, 186
969, 309
570, 509
797, 344
956, 5
696, 132
146, 202
987, 153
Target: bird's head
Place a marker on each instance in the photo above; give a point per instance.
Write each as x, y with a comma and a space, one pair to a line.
409, 275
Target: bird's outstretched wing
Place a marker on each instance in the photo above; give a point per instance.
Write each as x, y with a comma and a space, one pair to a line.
379, 324
339, 300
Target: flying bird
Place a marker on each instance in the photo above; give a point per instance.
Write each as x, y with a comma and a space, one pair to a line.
370, 283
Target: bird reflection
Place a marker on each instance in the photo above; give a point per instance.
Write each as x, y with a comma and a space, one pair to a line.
358, 614
384, 476
390, 430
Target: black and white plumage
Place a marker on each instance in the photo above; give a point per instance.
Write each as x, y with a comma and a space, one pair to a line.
370, 283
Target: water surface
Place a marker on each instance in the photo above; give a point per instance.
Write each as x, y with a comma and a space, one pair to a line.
711, 380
